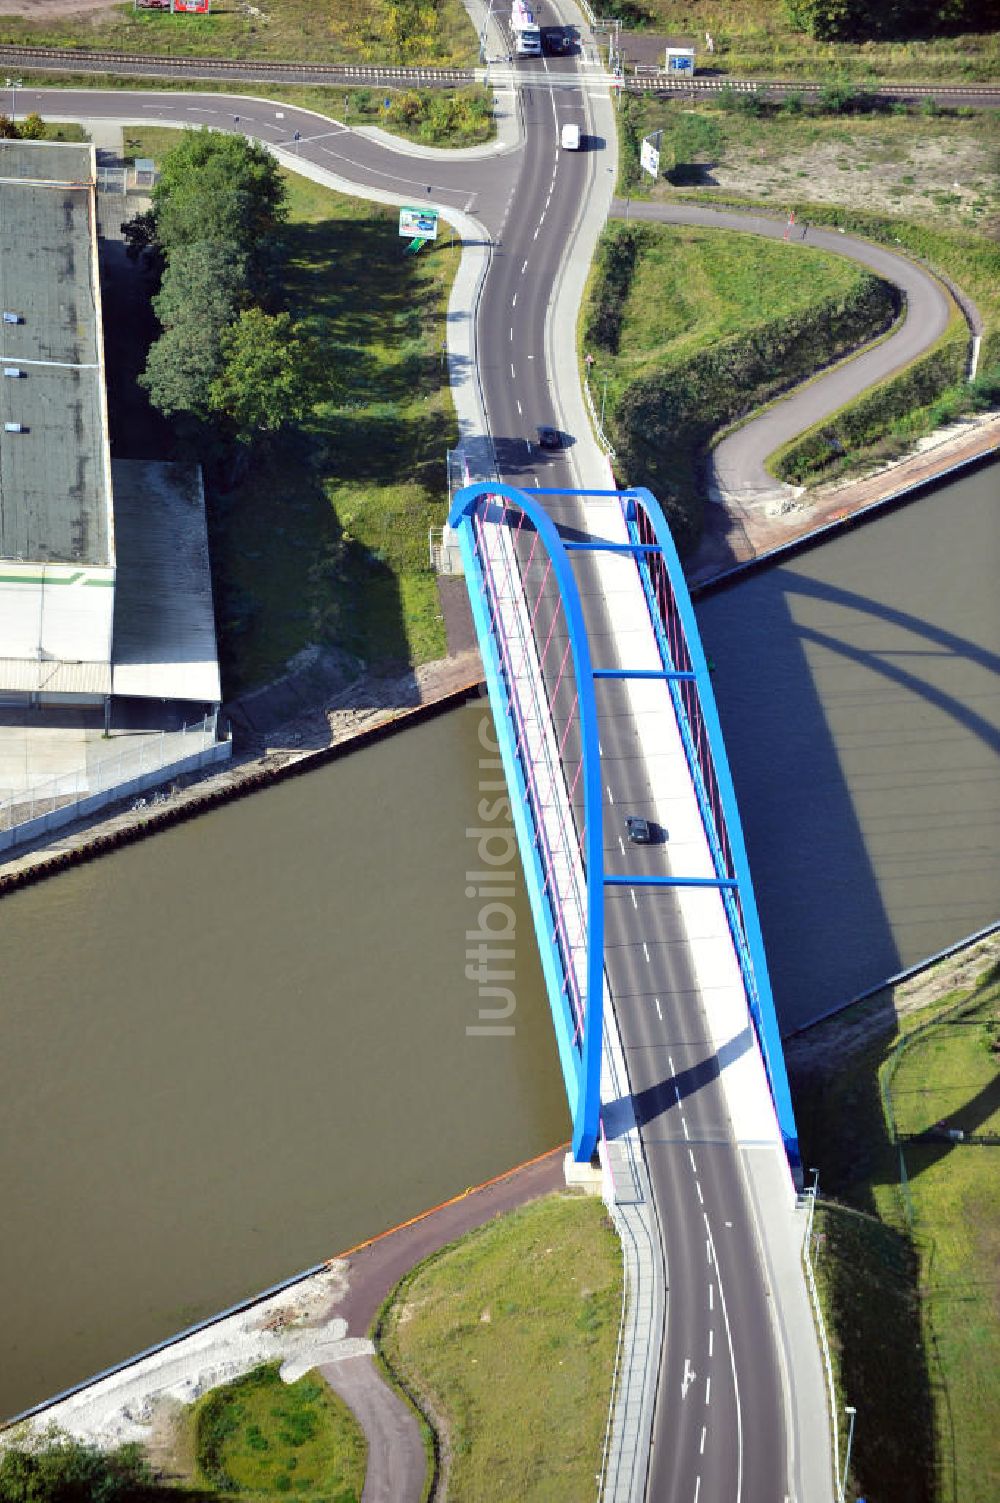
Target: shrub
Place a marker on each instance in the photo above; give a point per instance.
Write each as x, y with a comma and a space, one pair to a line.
616, 264
663, 421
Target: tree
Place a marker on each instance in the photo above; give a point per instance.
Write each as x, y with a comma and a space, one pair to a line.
223, 189
57, 1469
270, 373
140, 234
8, 130
32, 128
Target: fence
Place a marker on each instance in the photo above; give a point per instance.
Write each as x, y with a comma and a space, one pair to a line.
140, 762
821, 1329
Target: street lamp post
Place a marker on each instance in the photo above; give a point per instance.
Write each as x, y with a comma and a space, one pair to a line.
850, 1411
13, 84
482, 35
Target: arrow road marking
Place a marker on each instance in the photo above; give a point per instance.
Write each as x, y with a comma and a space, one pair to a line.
689, 1377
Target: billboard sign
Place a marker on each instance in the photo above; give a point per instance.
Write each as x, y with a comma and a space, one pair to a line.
418, 224
650, 156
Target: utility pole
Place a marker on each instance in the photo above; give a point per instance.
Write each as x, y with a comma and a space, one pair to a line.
850, 1411
13, 84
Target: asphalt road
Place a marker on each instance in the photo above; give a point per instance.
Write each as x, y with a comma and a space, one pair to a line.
719, 1428
738, 460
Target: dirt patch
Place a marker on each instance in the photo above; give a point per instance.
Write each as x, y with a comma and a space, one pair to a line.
939, 176
49, 10
825, 1045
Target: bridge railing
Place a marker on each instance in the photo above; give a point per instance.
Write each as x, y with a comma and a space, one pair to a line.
557, 845
697, 719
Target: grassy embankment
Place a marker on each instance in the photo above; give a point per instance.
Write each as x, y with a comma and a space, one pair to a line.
326, 537
907, 1259
389, 31
756, 37
507, 1338
432, 117
925, 183
691, 329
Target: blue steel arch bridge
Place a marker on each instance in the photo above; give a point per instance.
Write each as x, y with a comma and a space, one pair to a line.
594, 666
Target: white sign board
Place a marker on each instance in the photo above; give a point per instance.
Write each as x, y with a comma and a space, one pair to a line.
650, 157
418, 224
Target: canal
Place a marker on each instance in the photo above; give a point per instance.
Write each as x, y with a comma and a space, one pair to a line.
240, 1047
236, 1049
859, 692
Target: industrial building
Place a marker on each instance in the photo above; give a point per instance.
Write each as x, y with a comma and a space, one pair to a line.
105, 588
107, 625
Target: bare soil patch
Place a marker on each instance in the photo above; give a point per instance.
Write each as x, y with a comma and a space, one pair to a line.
48, 10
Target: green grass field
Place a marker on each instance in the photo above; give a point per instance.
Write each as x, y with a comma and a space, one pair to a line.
326, 539
391, 31
712, 324
259, 1438
757, 37
925, 184
509, 1337
909, 1263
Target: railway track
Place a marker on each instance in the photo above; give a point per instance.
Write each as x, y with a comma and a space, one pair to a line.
157, 65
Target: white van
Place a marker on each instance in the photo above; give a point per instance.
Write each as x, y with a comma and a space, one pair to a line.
570, 138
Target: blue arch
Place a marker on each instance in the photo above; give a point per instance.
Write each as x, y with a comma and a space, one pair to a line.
759, 997
587, 1106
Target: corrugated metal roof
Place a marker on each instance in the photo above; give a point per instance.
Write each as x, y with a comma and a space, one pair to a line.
55, 501
22, 676
164, 627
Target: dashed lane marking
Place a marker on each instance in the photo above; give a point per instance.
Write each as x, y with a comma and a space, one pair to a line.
631, 893
701, 1448
524, 268
645, 951
711, 1342
708, 1389
659, 1014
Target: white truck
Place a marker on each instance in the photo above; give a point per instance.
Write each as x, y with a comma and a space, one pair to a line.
525, 31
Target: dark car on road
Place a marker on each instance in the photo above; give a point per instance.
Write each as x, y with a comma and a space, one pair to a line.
549, 438
557, 43
640, 831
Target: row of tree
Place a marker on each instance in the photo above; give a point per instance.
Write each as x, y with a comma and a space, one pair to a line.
889, 20
228, 353
31, 128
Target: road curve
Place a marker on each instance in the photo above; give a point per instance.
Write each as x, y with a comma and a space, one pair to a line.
738, 461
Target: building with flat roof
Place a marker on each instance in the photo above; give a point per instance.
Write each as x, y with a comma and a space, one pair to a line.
57, 544
88, 608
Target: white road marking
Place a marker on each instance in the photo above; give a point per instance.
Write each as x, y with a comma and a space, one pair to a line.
645, 951
689, 1377
697, 1488
622, 844
670, 1062
519, 412
636, 905
708, 1389
610, 794
514, 301
711, 1342
677, 1093
701, 1198
524, 268
658, 1012
708, 1250
694, 1166
512, 336
512, 371
711, 1296
535, 235
704, 1432
684, 1125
